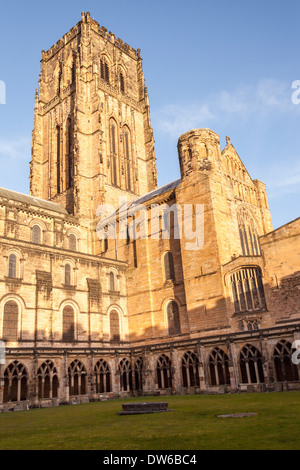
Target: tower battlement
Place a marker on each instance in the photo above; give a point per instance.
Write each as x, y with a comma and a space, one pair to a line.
95, 26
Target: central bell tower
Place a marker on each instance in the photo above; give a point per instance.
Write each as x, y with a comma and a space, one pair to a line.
92, 141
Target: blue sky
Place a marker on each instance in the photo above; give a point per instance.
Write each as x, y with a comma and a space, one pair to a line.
226, 65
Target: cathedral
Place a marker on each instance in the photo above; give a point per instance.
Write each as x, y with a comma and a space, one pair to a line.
180, 289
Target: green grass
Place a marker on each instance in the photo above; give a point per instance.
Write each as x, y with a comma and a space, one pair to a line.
192, 426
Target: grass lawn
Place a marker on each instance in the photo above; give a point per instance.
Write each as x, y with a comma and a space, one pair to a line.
192, 426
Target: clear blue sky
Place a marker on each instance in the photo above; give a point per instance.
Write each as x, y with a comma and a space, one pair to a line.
226, 65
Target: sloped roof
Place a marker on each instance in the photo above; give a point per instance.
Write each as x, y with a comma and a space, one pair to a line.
156, 192
32, 201
140, 200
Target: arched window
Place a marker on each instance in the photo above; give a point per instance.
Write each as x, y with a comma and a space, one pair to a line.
47, 380
219, 367
248, 235
36, 234
122, 82
102, 376
12, 266
114, 326
251, 365
125, 372
128, 159
70, 155
284, 367
247, 290
10, 321
164, 373
73, 74
113, 152
112, 282
72, 242
104, 244
68, 324
68, 277
173, 318
104, 69
15, 382
169, 266
58, 159
77, 378
190, 370
138, 373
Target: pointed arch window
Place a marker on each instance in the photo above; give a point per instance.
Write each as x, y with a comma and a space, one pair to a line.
70, 155
15, 382
128, 159
113, 152
164, 372
58, 160
173, 318
102, 377
125, 372
47, 380
248, 235
77, 378
251, 365
190, 370
284, 367
248, 290
122, 82
219, 367
104, 70
104, 244
169, 266
74, 70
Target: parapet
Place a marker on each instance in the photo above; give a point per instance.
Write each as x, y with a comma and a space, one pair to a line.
86, 19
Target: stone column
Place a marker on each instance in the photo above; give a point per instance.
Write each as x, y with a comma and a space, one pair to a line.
92, 382
33, 393
64, 381
149, 372
175, 370
267, 363
233, 366
132, 365
115, 375
202, 368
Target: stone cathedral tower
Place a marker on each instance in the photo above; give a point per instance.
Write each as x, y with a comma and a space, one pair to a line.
92, 140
